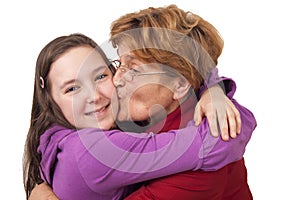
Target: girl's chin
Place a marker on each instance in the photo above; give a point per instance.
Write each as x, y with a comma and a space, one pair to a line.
106, 125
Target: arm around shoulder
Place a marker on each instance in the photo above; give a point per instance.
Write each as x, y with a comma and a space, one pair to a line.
219, 153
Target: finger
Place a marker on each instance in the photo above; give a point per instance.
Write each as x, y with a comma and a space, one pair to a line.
199, 120
223, 123
238, 121
213, 124
198, 114
232, 123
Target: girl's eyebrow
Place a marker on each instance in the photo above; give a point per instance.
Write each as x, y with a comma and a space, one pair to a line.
67, 83
100, 68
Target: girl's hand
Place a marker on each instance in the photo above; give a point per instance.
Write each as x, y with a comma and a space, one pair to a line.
220, 111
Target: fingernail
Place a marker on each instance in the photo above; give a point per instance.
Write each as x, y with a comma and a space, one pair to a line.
196, 120
225, 137
233, 135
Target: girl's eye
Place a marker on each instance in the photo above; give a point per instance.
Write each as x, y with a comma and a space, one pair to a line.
72, 89
100, 76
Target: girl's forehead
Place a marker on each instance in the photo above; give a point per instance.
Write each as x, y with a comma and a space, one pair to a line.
77, 63
79, 57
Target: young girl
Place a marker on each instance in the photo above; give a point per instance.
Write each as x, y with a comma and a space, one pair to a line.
65, 147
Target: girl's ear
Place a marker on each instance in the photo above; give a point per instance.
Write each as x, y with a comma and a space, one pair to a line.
181, 88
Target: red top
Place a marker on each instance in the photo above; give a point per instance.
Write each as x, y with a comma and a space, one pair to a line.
227, 183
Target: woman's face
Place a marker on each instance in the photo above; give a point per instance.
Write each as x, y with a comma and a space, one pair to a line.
81, 85
146, 95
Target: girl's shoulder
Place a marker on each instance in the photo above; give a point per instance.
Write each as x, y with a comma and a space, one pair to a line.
55, 134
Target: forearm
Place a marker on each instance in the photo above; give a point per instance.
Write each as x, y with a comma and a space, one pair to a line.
135, 158
218, 153
105, 160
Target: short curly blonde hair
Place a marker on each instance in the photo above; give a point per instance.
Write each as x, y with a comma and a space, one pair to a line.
172, 37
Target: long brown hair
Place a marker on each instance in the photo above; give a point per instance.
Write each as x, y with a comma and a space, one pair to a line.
44, 110
172, 37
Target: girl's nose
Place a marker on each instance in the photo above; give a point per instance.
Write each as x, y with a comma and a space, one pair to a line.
93, 95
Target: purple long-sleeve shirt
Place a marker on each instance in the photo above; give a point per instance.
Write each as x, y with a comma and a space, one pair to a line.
95, 164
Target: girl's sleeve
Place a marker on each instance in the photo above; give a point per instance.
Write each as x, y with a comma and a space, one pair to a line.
112, 159
227, 84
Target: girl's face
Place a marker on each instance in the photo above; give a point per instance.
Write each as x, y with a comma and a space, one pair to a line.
81, 85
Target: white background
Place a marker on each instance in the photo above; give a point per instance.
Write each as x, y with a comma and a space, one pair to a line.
261, 54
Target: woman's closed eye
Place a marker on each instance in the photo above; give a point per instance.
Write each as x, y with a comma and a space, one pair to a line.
133, 70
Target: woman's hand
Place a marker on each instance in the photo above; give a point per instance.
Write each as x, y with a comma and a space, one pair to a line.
220, 111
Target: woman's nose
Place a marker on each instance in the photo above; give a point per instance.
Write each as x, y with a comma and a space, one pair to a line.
118, 79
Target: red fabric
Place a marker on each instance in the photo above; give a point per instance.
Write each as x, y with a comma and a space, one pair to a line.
178, 118
228, 183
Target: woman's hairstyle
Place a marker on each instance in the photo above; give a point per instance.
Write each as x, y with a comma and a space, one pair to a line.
172, 37
45, 111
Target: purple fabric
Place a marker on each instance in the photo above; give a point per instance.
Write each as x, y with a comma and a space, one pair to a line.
95, 164
227, 84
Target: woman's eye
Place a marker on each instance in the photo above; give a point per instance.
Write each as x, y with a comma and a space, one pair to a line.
72, 89
100, 76
134, 70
